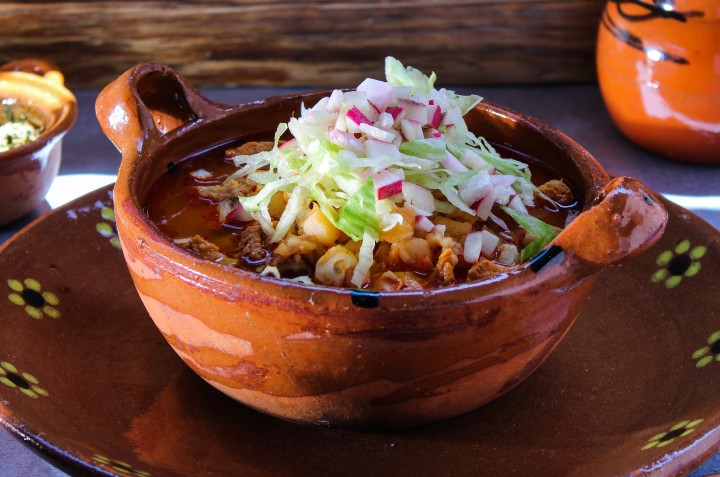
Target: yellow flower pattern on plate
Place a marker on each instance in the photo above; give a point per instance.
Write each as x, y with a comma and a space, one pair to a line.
119, 466
682, 261
681, 429
107, 228
29, 294
25, 382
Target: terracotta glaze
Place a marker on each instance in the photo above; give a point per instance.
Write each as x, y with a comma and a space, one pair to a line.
87, 381
658, 67
27, 171
355, 358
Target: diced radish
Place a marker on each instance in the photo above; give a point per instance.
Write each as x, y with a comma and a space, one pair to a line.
359, 100
431, 133
508, 254
490, 242
414, 110
336, 101
516, 203
472, 160
418, 196
377, 133
238, 214
434, 116
387, 184
411, 129
473, 247
356, 116
423, 223
397, 113
475, 188
201, 174
485, 206
346, 141
375, 148
451, 163
385, 121
504, 180
288, 144
379, 93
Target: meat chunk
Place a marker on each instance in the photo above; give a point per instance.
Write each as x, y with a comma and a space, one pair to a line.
559, 191
250, 244
208, 250
230, 190
292, 266
249, 148
395, 281
445, 268
484, 269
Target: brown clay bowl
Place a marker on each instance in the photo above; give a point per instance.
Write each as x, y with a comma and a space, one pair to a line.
349, 357
27, 171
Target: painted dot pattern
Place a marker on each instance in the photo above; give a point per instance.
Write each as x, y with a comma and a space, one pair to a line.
681, 262
36, 302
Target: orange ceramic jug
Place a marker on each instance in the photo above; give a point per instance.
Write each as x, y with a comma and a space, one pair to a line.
658, 67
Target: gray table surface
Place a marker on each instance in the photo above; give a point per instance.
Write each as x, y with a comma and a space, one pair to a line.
576, 110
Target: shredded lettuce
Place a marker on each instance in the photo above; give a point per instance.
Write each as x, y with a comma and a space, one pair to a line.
543, 233
432, 149
398, 75
358, 216
365, 258
330, 162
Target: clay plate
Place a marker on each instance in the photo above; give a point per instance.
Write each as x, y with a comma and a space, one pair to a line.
88, 381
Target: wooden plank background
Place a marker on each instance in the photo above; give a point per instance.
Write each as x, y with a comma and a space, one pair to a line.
308, 43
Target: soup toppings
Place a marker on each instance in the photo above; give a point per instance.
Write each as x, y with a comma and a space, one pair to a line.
16, 128
383, 187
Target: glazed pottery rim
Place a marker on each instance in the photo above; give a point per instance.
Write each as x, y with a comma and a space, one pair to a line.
593, 176
62, 119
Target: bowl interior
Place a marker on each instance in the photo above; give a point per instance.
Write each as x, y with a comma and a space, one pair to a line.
44, 101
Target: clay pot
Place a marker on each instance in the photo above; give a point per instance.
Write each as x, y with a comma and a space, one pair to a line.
657, 63
350, 357
27, 171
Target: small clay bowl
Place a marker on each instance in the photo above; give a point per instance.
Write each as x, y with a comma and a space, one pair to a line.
27, 171
344, 357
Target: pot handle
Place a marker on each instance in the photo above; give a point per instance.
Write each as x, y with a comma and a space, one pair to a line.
626, 220
38, 66
147, 101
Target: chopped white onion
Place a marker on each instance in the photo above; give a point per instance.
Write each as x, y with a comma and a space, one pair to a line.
490, 242
377, 133
473, 247
418, 196
423, 223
